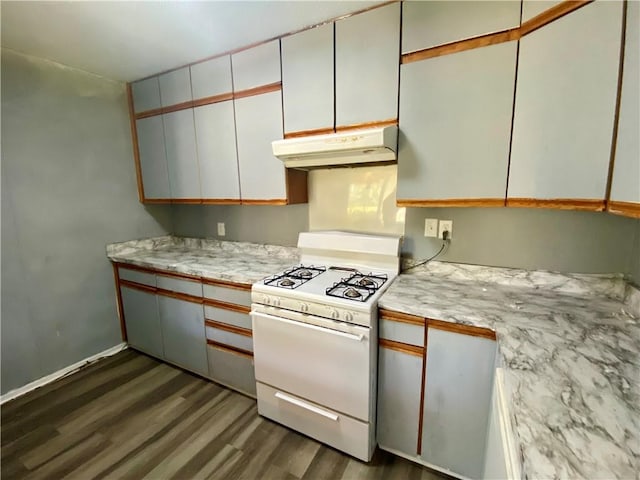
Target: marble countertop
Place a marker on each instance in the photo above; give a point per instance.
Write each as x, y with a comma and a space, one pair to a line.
570, 346
239, 262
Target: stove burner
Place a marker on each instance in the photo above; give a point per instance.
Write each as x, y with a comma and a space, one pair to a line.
352, 293
366, 282
294, 277
286, 282
304, 273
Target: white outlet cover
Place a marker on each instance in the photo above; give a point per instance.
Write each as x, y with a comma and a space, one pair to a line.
431, 227
221, 231
445, 225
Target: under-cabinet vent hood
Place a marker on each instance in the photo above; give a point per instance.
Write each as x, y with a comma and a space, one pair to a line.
342, 149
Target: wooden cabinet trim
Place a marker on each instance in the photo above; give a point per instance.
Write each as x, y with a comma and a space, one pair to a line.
309, 133
616, 118
179, 296
138, 286
628, 209
228, 328
123, 326
156, 200
250, 92
551, 14
401, 347
227, 306
227, 284
273, 201
559, 203
462, 329
182, 276
359, 126
183, 105
221, 201
136, 148
223, 97
401, 317
462, 45
452, 202
230, 349
187, 201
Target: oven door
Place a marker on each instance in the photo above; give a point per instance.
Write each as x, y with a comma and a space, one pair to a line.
321, 360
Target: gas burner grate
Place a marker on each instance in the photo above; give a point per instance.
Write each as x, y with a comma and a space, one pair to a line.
358, 286
294, 277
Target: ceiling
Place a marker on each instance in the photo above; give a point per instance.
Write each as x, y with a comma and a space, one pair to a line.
128, 40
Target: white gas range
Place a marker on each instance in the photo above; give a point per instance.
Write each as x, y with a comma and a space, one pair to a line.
315, 338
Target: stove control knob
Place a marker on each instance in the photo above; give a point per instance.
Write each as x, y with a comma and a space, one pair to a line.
275, 302
304, 307
266, 300
348, 317
334, 313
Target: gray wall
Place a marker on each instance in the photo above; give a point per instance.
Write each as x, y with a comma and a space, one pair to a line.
566, 241
277, 225
68, 188
634, 265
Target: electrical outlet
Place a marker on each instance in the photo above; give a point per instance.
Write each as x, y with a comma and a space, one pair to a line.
445, 225
221, 231
431, 227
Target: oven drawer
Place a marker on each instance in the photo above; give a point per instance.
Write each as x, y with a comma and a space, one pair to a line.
330, 427
315, 360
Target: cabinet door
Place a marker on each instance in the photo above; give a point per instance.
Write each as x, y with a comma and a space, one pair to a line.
211, 78
367, 65
146, 94
140, 310
153, 159
307, 79
564, 106
455, 125
433, 23
258, 123
175, 87
625, 186
457, 399
256, 66
183, 333
182, 158
399, 383
217, 155
232, 369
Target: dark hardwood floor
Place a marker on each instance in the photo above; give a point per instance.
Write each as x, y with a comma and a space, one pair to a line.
130, 416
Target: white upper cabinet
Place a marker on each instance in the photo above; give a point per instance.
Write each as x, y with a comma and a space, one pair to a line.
182, 158
455, 125
175, 87
367, 66
146, 94
533, 8
217, 156
307, 79
153, 158
564, 106
433, 23
258, 123
211, 78
625, 186
256, 66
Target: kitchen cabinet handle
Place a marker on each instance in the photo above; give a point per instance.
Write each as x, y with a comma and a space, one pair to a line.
352, 336
306, 406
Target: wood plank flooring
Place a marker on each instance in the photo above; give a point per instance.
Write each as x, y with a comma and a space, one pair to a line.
130, 417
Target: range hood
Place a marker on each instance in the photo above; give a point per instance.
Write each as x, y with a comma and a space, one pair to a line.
354, 147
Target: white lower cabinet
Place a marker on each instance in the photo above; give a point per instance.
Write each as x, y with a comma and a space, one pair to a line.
140, 310
232, 369
399, 378
457, 400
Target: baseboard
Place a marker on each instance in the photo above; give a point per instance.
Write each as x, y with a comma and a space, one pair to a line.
60, 373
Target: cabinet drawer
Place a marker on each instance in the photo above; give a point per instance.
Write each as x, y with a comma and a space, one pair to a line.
333, 428
229, 338
237, 319
228, 295
232, 369
188, 287
402, 332
137, 276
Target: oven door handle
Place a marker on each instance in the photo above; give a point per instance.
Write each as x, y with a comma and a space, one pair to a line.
352, 336
306, 406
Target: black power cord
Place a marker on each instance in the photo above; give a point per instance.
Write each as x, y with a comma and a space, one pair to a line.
445, 244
